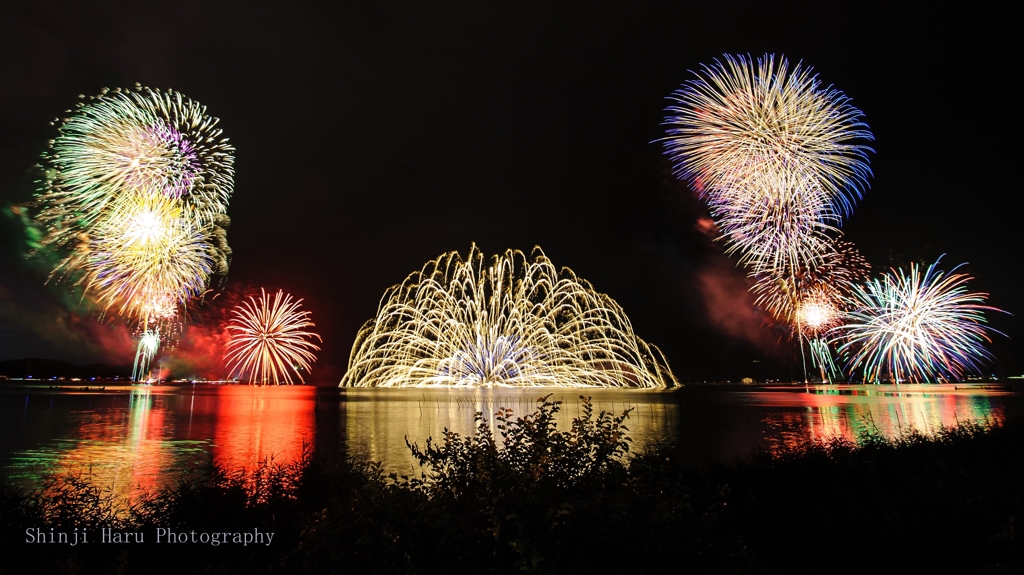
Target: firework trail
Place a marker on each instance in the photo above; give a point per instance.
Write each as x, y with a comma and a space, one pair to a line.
149, 343
916, 327
512, 321
822, 358
133, 201
268, 340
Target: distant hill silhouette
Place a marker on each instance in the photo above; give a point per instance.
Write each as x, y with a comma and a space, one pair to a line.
40, 368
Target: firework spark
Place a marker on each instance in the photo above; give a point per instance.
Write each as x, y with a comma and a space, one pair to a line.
817, 313
821, 357
512, 322
840, 268
916, 327
810, 301
149, 343
127, 142
771, 234
268, 340
738, 126
133, 203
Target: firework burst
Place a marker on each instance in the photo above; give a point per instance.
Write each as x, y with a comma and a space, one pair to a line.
128, 142
740, 125
771, 234
511, 322
133, 202
147, 259
269, 342
817, 313
916, 327
775, 156
783, 289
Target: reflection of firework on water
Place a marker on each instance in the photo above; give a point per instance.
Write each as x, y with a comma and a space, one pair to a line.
738, 126
133, 202
268, 341
916, 327
510, 322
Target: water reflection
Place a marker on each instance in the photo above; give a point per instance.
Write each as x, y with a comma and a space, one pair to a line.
140, 439
134, 439
378, 420
820, 413
253, 423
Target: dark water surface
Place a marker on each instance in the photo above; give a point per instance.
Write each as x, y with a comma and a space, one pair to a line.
140, 438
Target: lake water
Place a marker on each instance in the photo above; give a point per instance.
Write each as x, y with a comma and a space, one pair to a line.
141, 438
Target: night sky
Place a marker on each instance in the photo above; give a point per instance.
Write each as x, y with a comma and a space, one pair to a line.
374, 136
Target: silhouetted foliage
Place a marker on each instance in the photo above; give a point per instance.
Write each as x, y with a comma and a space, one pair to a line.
533, 454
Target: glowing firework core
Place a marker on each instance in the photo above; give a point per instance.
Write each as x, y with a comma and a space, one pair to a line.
512, 323
817, 315
144, 227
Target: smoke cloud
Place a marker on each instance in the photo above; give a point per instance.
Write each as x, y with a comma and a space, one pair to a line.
728, 303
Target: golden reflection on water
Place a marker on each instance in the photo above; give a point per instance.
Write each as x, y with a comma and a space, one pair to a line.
378, 420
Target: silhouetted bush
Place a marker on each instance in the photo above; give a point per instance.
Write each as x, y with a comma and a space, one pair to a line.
544, 500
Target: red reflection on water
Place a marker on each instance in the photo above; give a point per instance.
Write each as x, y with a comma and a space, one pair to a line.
256, 423
144, 441
123, 450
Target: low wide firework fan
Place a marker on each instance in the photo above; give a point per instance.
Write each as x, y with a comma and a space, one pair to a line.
512, 321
